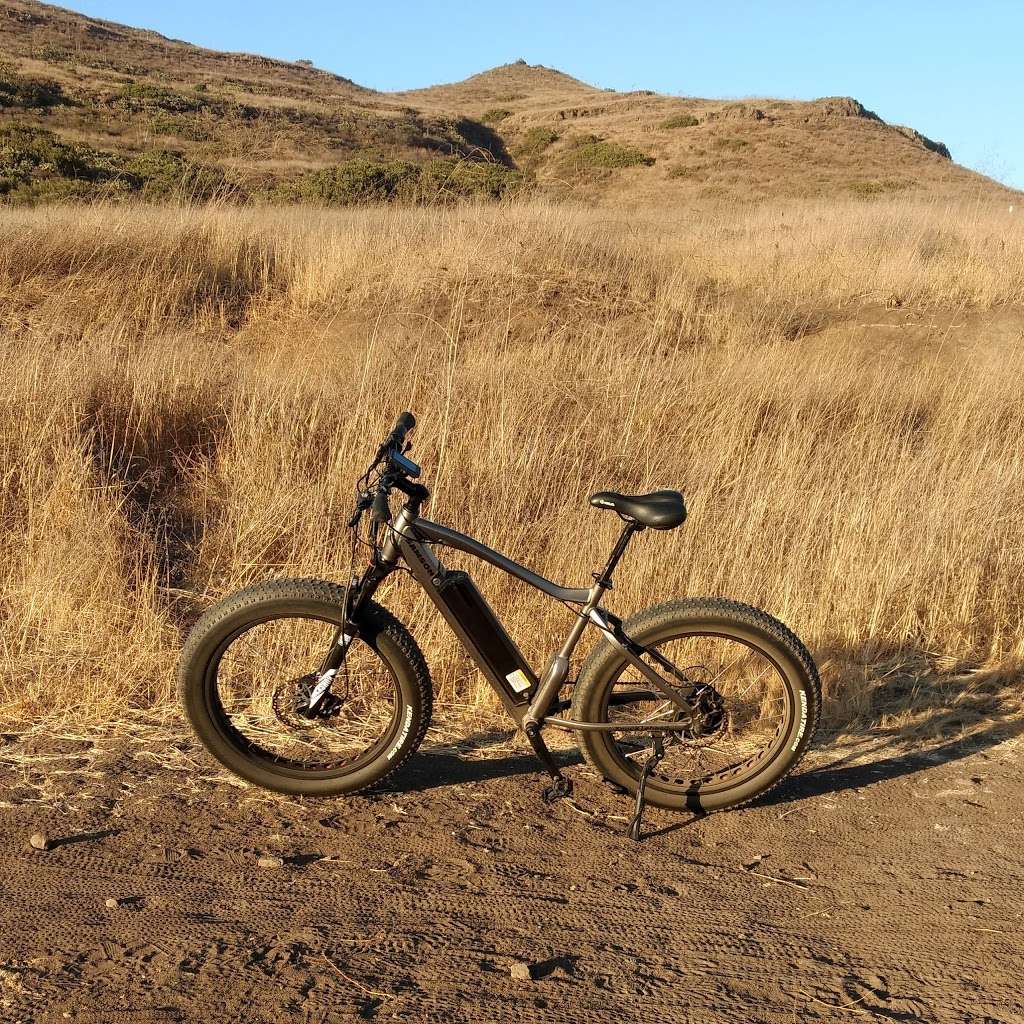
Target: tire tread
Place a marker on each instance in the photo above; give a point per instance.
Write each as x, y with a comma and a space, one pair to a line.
300, 589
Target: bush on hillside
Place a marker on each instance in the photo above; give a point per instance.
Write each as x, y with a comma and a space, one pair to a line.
680, 121
182, 126
588, 151
361, 182
534, 141
352, 183
874, 189
159, 175
38, 166
139, 96
28, 93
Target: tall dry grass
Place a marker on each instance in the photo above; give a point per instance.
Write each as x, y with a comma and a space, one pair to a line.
188, 396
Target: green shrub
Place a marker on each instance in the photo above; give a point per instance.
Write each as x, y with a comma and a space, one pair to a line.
182, 127
680, 121
158, 175
873, 189
137, 96
588, 151
495, 115
29, 93
30, 155
465, 179
359, 182
353, 182
534, 141
36, 165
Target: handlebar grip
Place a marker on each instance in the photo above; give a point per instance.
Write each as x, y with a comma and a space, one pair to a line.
405, 422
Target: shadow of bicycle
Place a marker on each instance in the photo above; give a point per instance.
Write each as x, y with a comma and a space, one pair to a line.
861, 768
870, 761
434, 767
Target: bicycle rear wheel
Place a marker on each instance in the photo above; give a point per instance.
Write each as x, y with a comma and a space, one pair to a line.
759, 714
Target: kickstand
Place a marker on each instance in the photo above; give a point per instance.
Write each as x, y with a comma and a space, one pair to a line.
657, 753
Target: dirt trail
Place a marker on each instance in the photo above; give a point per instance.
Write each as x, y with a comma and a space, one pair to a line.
874, 884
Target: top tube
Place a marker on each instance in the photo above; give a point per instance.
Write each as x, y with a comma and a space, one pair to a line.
438, 534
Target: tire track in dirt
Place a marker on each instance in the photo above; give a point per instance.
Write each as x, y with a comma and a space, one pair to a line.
853, 903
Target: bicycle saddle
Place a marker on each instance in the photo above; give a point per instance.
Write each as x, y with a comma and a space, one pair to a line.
660, 510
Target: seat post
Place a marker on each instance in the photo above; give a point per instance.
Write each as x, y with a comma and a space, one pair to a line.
604, 578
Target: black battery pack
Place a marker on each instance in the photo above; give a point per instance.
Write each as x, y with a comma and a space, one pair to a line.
493, 647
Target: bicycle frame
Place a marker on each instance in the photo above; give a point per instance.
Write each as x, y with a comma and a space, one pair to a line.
409, 539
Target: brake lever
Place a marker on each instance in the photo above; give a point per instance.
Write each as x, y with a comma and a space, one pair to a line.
362, 504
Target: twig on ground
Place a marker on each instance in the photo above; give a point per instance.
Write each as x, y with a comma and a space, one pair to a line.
359, 985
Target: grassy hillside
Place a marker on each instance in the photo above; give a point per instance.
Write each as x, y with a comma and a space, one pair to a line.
93, 109
190, 393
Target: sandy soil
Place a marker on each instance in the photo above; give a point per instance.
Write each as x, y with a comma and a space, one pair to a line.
877, 883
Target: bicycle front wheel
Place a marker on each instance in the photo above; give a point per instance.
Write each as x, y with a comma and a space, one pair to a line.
761, 706
249, 667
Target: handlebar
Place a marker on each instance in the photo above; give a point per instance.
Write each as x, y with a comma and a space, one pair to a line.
399, 473
394, 441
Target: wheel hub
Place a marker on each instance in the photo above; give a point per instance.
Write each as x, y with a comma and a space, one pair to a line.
291, 702
708, 712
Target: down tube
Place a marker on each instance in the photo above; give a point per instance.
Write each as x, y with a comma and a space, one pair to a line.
426, 568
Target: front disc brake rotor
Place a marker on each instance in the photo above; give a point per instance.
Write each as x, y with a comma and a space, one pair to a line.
291, 703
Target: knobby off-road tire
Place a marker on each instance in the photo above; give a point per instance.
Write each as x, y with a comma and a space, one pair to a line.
301, 599
702, 620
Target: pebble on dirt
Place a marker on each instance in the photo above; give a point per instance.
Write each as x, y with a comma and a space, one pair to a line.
112, 903
520, 971
39, 841
270, 863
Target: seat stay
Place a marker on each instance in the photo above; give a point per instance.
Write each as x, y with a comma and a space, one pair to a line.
611, 626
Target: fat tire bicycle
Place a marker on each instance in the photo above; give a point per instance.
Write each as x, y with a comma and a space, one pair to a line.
310, 687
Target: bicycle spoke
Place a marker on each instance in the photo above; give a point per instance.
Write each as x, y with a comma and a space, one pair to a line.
258, 681
752, 697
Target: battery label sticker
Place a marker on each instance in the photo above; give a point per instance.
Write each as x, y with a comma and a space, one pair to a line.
518, 681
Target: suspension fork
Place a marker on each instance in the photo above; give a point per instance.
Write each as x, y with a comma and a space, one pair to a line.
359, 592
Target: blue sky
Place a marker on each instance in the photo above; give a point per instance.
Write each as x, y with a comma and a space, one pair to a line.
953, 70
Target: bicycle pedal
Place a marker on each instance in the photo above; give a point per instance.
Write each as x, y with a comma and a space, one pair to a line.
558, 789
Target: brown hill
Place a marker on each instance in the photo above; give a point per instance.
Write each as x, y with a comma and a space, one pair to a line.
89, 107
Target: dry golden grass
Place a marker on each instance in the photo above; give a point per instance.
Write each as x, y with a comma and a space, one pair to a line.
188, 396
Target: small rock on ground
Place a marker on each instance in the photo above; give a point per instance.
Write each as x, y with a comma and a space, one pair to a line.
520, 971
